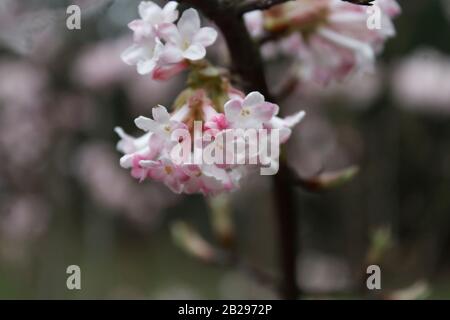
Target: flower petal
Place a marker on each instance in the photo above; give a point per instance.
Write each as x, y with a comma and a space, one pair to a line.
148, 9
146, 124
146, 66
149, 163
170, 33
174, 185
293, 120
171, 54
132, 55
141, 29
232, 109
253, 98
195, 52
170, 11
189, 24
265, 111
284, 134
205, 36
160, 114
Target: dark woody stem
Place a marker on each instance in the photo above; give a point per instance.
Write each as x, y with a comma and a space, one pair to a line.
247, 64
259, 5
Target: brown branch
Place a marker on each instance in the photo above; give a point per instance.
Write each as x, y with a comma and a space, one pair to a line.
194, 244
267, 4
259, 5
247, 63
361, 2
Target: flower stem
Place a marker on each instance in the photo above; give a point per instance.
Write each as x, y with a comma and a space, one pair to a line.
287, 230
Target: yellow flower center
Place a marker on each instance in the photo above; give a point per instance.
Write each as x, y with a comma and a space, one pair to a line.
245, 112
168, 169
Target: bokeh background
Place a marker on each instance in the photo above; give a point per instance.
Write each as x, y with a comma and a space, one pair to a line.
65, 200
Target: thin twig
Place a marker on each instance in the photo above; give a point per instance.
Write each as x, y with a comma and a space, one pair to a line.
270, 36
287, 216
232, 260
259, 5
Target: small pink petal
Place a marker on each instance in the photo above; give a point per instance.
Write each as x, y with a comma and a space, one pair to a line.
265, 111
233, 109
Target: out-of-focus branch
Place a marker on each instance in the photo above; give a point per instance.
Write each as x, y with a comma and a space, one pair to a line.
221, 219
194, 244
259, 5
361, 2
324, 181
267, 4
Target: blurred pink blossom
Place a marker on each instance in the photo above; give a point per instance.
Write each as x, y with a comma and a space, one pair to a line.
20, 76
100, 66
112, 187
422, 82
23, 219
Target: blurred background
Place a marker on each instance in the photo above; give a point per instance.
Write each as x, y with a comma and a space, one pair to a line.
65, 200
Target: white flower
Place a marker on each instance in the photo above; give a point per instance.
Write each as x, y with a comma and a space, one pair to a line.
145, 55
187, 40
129, 144
136, 148
153, 17
254, 20
162, 124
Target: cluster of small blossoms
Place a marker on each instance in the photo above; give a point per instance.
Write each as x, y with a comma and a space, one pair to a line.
329, 38
151, 155
209, 105
162, 48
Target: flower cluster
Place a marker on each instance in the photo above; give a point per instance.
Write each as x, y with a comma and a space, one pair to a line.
206, 114
150, 156
329, 38
163, 49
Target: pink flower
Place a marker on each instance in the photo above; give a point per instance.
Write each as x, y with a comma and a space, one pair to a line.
165, 72
250, 112
217, 122
167, 172
208, 180
144, 147
156, 155
421, 82
329, 38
